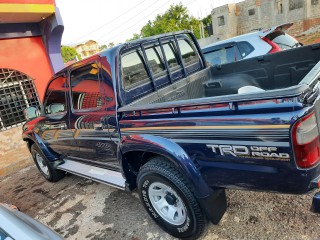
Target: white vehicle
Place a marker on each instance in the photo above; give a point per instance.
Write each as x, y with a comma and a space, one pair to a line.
249, 45
17, 225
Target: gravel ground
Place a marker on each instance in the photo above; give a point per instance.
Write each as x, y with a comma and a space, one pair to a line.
81, 209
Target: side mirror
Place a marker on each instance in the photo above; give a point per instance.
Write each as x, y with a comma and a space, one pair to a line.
56, 108
31, 113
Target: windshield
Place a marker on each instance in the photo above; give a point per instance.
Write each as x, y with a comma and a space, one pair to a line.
283, 40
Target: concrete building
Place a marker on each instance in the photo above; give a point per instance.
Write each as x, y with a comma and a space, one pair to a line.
30, 35
87, 49
235, 19
30, 39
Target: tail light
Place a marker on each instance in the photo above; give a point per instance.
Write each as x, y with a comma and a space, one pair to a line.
306, 142
275, 47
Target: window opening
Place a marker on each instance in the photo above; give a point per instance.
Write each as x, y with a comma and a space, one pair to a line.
295, 4
280, 8
221, 21
252, 12
17, 92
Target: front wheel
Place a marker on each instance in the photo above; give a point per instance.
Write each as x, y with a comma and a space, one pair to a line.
44, 166
169, 200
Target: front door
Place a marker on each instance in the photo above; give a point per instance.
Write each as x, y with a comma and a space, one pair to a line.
54, 128
88, 117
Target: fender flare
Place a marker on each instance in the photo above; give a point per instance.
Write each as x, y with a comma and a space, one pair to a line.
38, 141
170, 150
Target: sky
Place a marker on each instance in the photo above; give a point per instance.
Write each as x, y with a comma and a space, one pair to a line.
115, 21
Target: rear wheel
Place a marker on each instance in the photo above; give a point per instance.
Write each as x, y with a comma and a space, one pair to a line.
44, 166
168, 199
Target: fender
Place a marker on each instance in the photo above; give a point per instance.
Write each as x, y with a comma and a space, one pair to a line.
173, 152
37, 140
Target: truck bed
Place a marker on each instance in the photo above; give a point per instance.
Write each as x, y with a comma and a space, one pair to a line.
278, 74
199, 122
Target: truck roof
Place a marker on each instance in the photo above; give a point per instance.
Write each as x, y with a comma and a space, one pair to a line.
112, 51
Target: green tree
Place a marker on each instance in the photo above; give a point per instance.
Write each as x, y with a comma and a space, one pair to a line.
207, 21
102, 47
69, 53
174, 19
111, 44
135, 36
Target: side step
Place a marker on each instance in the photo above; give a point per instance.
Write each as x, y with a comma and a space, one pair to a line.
97, 174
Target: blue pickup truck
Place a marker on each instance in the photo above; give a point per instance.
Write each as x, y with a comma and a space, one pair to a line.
151, 114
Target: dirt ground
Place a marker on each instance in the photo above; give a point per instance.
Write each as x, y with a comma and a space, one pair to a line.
81, 209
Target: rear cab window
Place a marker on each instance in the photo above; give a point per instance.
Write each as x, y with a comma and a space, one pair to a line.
154, 64
171, 55
134, 72
155, 60
190, 56
135, 79
172, 58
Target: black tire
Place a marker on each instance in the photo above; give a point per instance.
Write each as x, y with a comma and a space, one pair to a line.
160, 171
52, 174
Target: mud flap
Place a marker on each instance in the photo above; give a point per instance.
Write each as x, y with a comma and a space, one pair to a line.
316, 203
214, 205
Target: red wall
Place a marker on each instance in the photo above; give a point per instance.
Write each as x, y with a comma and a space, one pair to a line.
29, 56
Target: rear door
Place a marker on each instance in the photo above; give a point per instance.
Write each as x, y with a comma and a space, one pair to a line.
88, 116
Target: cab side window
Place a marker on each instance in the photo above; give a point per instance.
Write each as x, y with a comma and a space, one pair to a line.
85, 88
55, 97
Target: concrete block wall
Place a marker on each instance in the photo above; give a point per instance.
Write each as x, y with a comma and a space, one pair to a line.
267, 13
206, 41
229, 28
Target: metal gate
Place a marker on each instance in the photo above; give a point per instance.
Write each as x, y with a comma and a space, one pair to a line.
17, 92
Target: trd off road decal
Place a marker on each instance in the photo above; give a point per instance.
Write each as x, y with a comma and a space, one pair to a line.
249, 152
